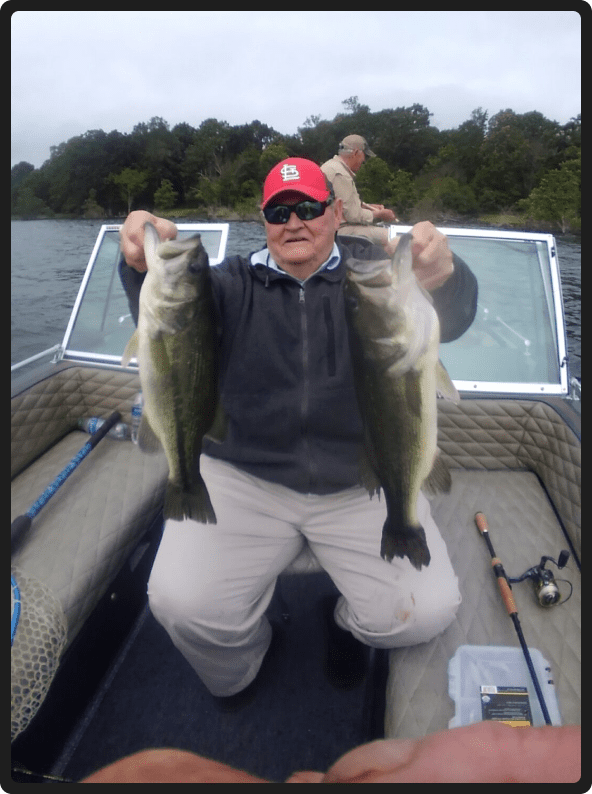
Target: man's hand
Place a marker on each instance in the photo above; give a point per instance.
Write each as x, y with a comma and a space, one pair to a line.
132, 236
381, 213
487, 752
432, 257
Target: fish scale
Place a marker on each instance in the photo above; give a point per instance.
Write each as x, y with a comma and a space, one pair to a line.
394, 339
177, 355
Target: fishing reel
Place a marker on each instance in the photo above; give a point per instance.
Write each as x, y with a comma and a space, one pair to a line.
545, 585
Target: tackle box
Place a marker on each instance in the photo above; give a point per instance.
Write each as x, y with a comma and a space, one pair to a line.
489, 682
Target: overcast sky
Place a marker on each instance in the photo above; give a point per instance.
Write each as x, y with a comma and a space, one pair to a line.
74, 71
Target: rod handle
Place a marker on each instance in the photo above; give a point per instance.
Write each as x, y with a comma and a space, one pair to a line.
504, 587
481, 522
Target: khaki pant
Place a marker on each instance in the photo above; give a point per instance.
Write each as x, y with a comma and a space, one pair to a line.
211, 584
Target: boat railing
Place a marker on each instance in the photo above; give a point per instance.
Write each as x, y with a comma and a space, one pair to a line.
37, 357
516, 343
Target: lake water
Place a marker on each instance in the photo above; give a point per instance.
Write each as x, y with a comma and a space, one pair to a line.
49, 257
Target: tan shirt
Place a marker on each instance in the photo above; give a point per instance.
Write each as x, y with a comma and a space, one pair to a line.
343, 180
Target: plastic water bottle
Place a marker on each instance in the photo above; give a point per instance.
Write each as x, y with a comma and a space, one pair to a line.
137, 407
118, 431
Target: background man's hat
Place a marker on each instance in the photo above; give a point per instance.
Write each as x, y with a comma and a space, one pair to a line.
354, 142
296, 175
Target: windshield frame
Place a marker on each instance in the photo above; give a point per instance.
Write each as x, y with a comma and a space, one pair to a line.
551, 285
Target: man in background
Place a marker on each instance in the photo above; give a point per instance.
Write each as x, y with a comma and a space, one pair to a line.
358, 217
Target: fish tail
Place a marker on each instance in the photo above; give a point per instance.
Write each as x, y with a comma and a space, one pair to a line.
408, 542
194, 503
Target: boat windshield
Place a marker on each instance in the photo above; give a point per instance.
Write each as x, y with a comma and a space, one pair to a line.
101, 324
516, 343
517, 340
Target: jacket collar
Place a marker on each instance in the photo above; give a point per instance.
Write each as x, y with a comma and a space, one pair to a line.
263, 265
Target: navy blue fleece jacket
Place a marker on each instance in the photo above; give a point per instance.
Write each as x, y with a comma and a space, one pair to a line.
286, 373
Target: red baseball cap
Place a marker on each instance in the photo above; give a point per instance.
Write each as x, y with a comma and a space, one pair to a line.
296, 175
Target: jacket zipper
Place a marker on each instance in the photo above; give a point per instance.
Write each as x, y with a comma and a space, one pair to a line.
304, 405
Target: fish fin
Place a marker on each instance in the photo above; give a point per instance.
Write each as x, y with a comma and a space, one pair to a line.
402, 262
439, 479
195, 503
148, 441
445, 388
411, 543
131, 350
219, 426
151, 243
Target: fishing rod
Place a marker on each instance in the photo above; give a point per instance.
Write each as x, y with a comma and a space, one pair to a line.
508, 599
21, 524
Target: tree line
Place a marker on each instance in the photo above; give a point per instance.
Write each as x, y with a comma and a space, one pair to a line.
523, 164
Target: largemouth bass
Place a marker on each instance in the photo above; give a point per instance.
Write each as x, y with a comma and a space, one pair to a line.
176, 347
394, 338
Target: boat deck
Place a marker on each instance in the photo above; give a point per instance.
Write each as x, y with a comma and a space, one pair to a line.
151, 697
515, 460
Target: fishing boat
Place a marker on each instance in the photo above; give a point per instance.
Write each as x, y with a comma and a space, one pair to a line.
95, 678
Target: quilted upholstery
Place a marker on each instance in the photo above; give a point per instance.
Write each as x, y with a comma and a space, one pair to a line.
50, 408
523, 527
488, 435
509, 459
81, 538
506, 457
517, 434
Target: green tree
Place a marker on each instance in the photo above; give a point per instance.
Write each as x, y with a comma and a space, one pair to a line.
447, 194
516, 151
558, 197
501, 160
467, 141
130, 182
403, 137
28, 205
207, 153
318, 142
165, 197
373, 181
206, 193
18, 173
90, 208
353, 106
270, 156
402, 192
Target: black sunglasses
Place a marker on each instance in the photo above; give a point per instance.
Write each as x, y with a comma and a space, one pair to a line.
305, 210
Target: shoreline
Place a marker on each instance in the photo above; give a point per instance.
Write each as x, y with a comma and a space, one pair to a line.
226, 215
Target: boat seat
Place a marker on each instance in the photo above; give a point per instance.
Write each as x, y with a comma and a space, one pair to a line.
517, 462
81, 538
84, 534
523, 527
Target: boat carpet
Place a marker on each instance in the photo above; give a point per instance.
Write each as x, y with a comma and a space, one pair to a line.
152, 698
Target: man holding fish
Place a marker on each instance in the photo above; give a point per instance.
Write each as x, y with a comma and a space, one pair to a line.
307, 330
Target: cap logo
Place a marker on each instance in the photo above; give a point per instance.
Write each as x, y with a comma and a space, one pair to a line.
289, 173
